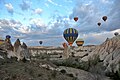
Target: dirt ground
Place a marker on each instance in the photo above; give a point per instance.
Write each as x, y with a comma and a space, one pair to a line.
10, 69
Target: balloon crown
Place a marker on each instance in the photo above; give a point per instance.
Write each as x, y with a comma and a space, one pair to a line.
8, 36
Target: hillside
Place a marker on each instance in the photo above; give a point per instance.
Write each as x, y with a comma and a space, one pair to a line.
109, 53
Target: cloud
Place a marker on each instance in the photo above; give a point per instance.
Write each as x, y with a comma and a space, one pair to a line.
9, 8
98, 38
20, 36
25, 5
38, 11
90, 14
70, 1
37, 22
106, 1
46, 4
24, 29
52, 2
114, 17
12, 26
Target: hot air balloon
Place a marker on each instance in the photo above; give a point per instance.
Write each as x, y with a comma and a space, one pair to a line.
75, 18
98, 23
65, 45
8, 36
40, 42
79, 42
70, 35
104, 18
116, 33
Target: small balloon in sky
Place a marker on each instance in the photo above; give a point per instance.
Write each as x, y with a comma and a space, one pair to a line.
65, 45
98, 23
76, 18
8, 36
104, 18
116, 33
40, 42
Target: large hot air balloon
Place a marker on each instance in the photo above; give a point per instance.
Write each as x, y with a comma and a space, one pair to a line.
104, 18
79, 42
75, 18
40, 42
98, 23
70, 35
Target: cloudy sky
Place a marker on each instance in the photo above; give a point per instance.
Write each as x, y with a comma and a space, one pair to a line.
45, 20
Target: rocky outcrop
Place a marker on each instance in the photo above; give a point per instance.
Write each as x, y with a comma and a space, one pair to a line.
18, 50
109, 53
16, 45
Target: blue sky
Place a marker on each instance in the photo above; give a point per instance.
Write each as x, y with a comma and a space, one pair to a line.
46, 20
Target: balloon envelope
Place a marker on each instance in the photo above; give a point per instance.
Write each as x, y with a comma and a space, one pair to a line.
65, 45
70, 35
8, 36
75, 18
116, 33
79, 42
104, 18
98, 23
40, 42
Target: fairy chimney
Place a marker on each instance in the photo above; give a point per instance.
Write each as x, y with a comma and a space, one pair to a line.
16, 45
24, 45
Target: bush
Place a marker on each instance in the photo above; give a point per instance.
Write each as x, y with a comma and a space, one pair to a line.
114, 76
92, 61
70, 75
63, 71
54, 73
71, 62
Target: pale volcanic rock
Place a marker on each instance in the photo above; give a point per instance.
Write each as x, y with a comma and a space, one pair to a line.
109, 53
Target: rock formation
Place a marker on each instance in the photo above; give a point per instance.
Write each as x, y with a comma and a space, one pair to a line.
16, 45
18, 50
109, 53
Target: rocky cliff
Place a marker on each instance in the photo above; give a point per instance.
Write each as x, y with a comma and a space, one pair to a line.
109, 54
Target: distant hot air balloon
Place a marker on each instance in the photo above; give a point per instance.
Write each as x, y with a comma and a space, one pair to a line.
116, 33
65, 45
70, 35
40, 42
104, 18
75, 18
79, 42
8, 36
98, 23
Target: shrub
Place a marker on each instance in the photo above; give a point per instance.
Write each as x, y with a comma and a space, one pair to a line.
70, 75
54, 73
63, 71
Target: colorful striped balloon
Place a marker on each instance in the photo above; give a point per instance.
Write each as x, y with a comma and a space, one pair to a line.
79, 42
70, 35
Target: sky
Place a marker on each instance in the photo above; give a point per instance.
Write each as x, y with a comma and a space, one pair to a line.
45, 20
